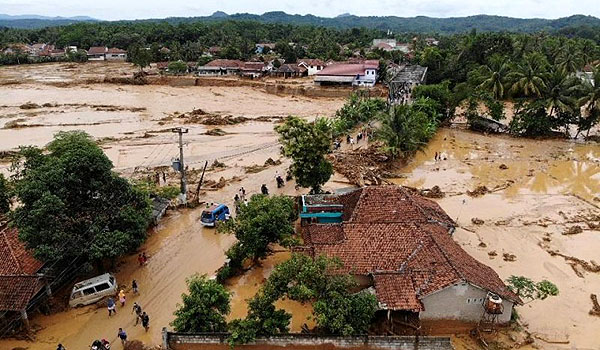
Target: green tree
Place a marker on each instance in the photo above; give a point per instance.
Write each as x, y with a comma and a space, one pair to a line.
204, 308
307, 144
441, 94
260, 222
492, 77
140, 56
73, 206
590, 102
405, 130
4, 195
528, 289
301, 278
177, 67
528, 77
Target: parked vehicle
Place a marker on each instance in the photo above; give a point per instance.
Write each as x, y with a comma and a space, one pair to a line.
93, 289
217, 212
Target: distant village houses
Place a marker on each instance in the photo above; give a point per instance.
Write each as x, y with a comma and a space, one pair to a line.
313, 66
351, 74
102, 53
391, 45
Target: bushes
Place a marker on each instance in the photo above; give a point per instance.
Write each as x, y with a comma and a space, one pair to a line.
359, 108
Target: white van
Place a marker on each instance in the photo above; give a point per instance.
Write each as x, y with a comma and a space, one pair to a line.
91, 290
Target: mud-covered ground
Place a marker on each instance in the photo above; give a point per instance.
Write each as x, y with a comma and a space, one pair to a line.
539, 190
544, 189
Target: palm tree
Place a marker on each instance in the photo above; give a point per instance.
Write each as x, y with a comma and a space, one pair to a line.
557, 95
570, 59
404, 130
493, 76
590, 101
528, 77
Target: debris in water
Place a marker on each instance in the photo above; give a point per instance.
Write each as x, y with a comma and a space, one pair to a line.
492, 254
434, 192
573, 230
509, 257
478, 191
595, 311
29, 105
215, 132
477, 221
503, 166
271, 162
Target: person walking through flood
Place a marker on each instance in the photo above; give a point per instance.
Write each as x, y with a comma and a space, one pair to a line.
122, 335
111, 306
60, 347
122, 297
140, 259
145, 321
138, 312
134, 286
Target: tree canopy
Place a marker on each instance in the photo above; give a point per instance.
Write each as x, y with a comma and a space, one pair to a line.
204, 308
73, 206
307, 144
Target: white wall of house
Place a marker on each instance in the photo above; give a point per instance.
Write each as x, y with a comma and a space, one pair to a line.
312, 70
95, 57
462, 302
116, 56
368, 79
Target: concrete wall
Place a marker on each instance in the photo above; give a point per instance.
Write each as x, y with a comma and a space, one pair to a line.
208, 341
462, 302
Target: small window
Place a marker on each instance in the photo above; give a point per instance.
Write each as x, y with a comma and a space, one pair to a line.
111, 279
101, 287
76, 295
89, 291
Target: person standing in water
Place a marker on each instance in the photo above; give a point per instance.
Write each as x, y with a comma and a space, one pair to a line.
145, 321
122, 297
134, 286
122, 335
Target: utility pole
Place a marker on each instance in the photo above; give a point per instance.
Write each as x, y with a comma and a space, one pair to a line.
182, 131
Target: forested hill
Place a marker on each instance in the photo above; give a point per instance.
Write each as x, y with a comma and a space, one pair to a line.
420, 24
397, 24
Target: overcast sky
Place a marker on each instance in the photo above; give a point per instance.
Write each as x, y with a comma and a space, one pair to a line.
132, 9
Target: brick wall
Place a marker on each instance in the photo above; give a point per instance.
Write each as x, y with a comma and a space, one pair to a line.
218, 341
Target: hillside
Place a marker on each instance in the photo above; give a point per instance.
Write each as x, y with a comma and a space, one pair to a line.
420, 24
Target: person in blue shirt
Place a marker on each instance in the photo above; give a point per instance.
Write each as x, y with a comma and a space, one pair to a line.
111, 306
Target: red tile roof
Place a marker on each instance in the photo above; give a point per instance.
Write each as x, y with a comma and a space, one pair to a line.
396, 291
388, 230
97, 50
17, 291
18, 269
253, 66
312, 61
115, 50
223, 63
343, 69
14, 258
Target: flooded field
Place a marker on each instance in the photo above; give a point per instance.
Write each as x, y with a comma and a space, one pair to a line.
537, 191
543, 189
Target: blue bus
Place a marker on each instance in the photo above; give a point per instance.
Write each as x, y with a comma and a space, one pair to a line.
217, 212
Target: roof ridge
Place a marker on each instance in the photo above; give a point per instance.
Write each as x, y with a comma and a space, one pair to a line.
10, 249
445, 254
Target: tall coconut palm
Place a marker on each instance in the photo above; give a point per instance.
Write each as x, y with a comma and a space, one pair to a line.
404, 130
528, 77
493, 76
570, 59
590, 101
558, 96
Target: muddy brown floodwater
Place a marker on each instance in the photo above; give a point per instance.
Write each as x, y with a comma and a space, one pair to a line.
539, 189
545, 188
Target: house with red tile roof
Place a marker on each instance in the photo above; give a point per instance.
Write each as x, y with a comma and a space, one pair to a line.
312, 65
220, 67
115, 54
399, 245
354, 74
20, 281
96, 53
